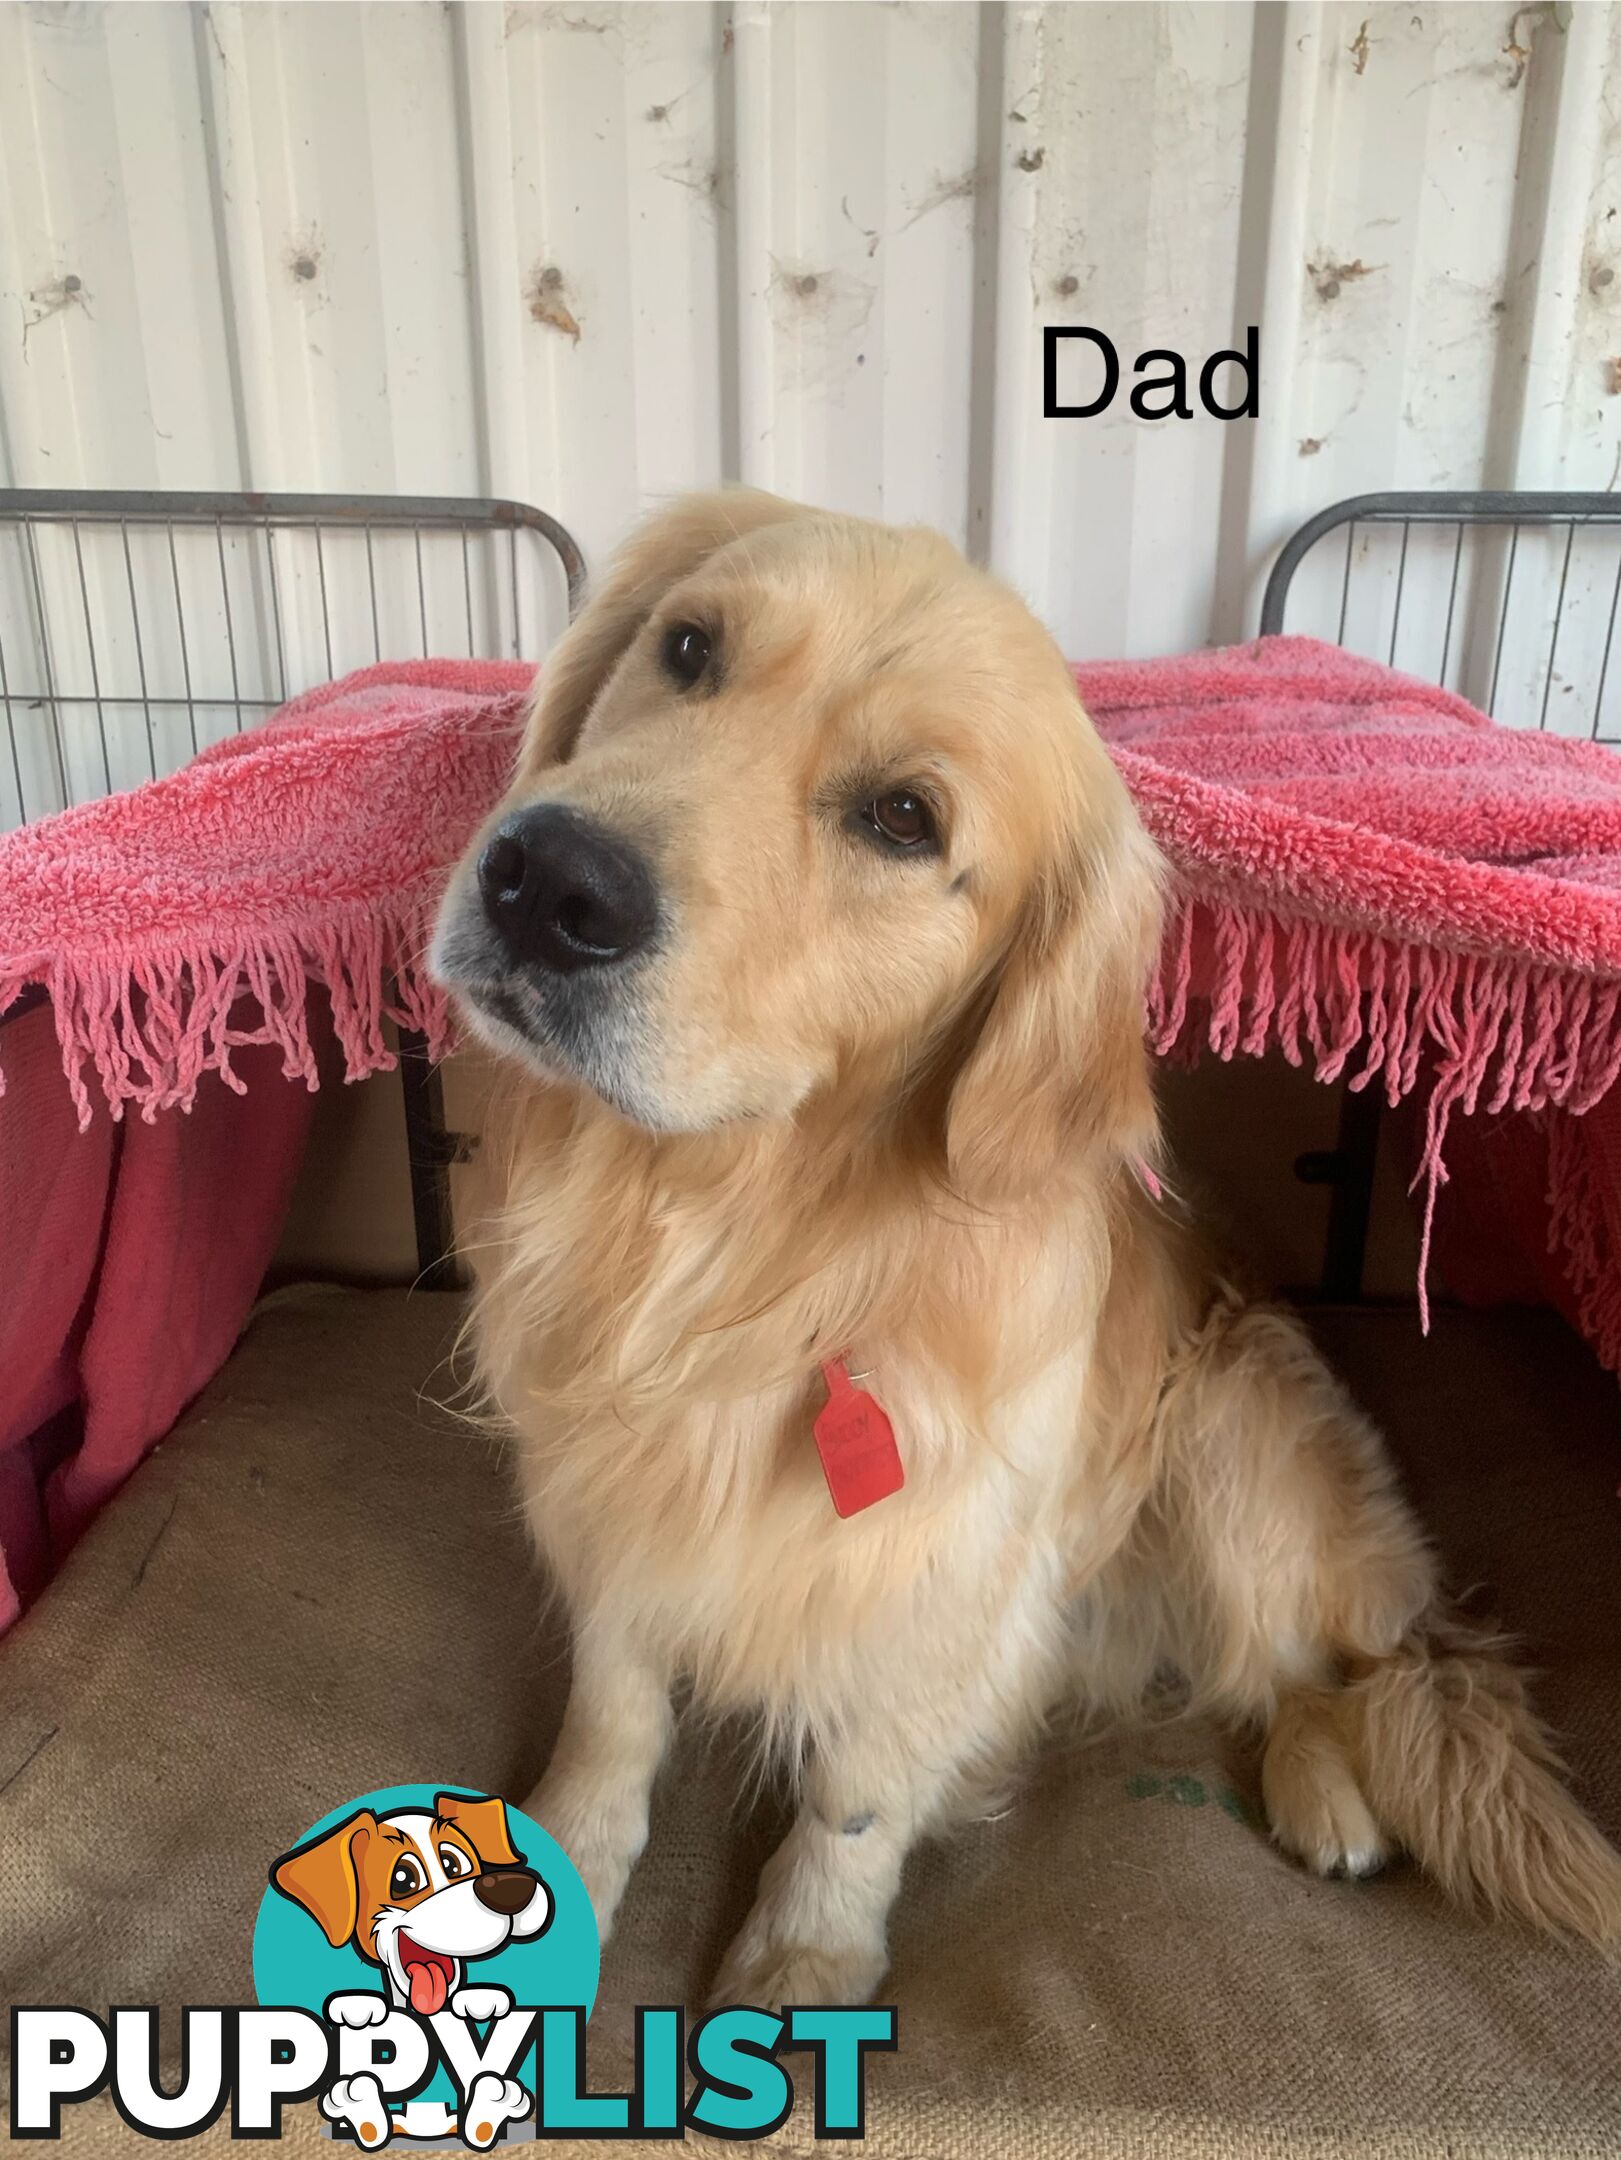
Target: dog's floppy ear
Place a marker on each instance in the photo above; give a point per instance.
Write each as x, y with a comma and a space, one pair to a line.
668, 547
1055, 1064
485, 1824
324, 1876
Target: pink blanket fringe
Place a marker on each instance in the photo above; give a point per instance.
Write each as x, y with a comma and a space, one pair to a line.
152, 1027
1491, 1034
1494, 1034
1578, 1220
177, 925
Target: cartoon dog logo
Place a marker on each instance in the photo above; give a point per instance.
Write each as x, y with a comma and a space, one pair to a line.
419, 1894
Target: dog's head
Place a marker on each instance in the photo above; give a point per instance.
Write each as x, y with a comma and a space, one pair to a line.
418, 1892
805, 805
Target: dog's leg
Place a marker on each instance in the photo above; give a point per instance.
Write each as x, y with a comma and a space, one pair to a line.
943, 1715
1311, 1606
1294, 1553
595, 1794
1309, 1784
817, 1932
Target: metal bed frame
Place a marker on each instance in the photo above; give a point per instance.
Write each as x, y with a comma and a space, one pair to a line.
1348, 1168
1574, 514
270, 525
254, 518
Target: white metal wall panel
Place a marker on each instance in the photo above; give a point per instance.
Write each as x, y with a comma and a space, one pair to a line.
586, 255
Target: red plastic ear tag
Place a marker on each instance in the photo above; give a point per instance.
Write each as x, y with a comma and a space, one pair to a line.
856, 1442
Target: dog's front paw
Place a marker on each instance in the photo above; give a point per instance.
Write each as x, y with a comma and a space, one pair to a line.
359, 2102
492, 2102
481, 2003
1317, 1813
357, 2010
601, 1833
767, 1975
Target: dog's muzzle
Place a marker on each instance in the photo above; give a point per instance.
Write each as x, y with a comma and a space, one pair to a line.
562, 894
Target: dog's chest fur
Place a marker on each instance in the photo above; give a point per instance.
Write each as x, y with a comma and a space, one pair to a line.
668, 1466
716, 1531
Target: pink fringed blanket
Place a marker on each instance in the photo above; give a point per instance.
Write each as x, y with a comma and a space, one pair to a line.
1385, 885
312, 849
1372, 877
178, 930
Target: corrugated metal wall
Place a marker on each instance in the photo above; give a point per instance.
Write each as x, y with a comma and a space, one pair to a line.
584, 255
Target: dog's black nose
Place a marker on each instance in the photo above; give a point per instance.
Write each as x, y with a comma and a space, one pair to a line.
563, 893
505, 1890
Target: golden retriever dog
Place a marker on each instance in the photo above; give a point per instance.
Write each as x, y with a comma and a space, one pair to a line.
814, 933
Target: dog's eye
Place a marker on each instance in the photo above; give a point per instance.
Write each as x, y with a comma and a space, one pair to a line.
903, 819
454, 1861
406, 1880
687, 651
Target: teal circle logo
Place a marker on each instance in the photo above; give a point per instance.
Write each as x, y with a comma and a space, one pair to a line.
432, 1900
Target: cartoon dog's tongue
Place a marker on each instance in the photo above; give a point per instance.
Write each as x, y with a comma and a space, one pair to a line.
427, 1975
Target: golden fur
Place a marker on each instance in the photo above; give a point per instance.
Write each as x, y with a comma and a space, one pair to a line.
900, 1110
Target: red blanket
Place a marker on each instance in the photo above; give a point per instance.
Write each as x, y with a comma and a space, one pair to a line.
179, 930
1371, 876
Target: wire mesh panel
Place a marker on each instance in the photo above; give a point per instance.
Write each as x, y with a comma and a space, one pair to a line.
135, 628
1509, 599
